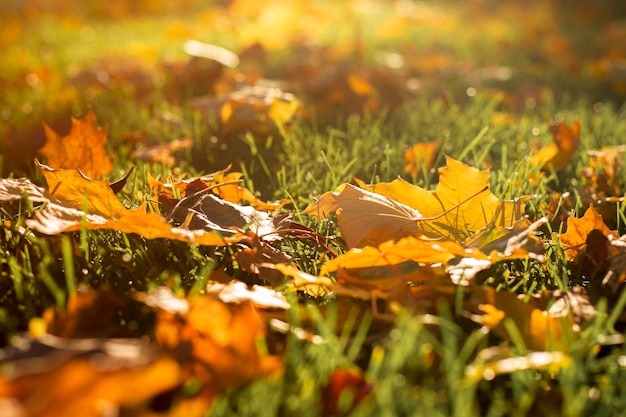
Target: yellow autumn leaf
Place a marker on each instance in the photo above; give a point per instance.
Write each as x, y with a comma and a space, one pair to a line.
457, 182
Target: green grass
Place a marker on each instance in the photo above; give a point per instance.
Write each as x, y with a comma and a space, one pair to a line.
417, 366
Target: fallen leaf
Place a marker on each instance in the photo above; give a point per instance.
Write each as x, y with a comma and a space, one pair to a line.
76, 190
60, 215
603, 262
558, 154
93, 314
226, 185
375, 213
213, 213
458, 183
605, 170
217, 342
575, 237
366, 218
255, 109
83, 148
92, 385
253, 256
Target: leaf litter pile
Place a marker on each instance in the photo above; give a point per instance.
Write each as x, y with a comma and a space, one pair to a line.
147, 277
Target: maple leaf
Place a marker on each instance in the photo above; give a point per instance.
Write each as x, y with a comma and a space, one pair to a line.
12, 189
558, 154
82, 193
92, 314
83, 148
255, 254
384, 211
575, 237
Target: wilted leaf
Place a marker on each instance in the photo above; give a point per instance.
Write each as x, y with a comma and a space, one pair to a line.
575, 237
73, 192
519, 241
55, 219
313, 285
558, 154
255, 109
224, 184
604, 262
83, 148
390, 254
213, 213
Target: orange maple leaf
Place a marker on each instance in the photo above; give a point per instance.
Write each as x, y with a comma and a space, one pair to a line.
558, 154
575, 238
83, 148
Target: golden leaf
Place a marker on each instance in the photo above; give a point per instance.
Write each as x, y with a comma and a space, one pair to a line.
457, 183
457, 208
